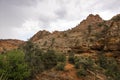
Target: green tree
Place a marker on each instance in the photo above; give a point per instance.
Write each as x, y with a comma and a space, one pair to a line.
33, 57
13, 65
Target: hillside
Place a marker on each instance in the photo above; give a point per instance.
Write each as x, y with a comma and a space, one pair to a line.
9, 44
89, 51
92, 38
91, 33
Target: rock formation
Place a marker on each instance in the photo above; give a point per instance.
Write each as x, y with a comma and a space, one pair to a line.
92, 33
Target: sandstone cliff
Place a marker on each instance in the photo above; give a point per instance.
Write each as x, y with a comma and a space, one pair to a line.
92, 33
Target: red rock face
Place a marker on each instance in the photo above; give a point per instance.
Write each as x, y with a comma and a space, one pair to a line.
90, 20
92, 32
39, 35
9, 44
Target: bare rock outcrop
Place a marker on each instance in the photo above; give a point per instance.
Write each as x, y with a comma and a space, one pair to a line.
92, 33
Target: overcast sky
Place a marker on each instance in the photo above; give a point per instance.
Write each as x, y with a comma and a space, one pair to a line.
21, 19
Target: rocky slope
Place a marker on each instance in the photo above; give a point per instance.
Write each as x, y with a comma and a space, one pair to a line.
9, 44
92, 33
39, 35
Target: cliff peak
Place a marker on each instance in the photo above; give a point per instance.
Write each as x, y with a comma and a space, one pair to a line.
40, 35
92, 17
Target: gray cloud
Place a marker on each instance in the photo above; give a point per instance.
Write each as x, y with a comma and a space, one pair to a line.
111, 5
22, 18
61, 13
19, 2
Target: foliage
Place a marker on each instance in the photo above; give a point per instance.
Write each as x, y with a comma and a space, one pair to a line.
86, 63
13, 66
71, 58
61, 57
81, 72
111, 67
38, 60
77, 63
33, 57
61, 60
4, 76
102, 61
100, 24
82, 64
49, 59
60, 66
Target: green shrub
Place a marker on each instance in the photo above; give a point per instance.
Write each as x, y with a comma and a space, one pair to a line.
110, 66
60, 66
102, 61
4, 76
61, 58
112, 69
49, 59
77, 62
71, 58
81, 72
76, 59
77, 65
39, 60
33, 57
86, 63
89, 63
14, 64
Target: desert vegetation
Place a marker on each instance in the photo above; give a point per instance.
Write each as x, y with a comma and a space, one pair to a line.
26, 63
13, 66
90, 51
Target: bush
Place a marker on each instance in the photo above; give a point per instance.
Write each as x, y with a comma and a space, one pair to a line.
112, 69
86, 63
110, 66
60, 66
102, 61
77, 65
61, 58
82, 64
71, 58
81, 72
49, 59
89, 63
4, 76
33, 57
13, 65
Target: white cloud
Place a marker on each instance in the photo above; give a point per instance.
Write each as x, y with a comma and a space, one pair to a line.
62, 25
22, 18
